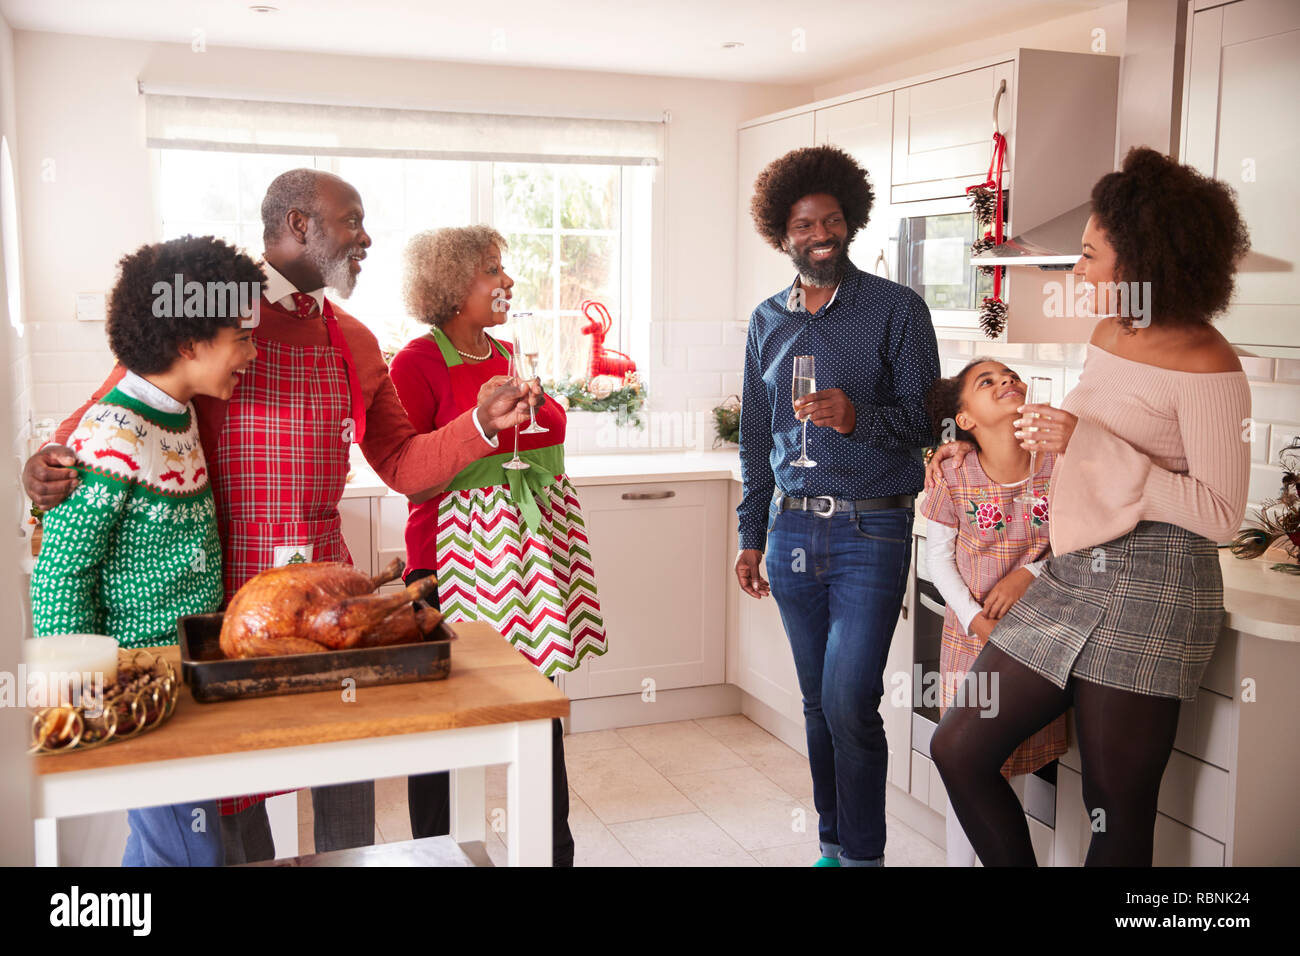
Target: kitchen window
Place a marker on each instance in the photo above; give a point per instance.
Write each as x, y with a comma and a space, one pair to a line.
575, 232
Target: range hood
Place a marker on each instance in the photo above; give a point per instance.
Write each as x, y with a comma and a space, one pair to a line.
1052, 245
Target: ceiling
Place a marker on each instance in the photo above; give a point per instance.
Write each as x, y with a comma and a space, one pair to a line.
663, 37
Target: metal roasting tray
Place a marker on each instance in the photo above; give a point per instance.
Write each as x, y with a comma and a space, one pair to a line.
214, 677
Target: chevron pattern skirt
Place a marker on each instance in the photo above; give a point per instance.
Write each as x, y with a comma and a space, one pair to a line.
537, 588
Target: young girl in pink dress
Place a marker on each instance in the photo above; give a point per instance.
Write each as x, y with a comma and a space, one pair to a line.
984, 548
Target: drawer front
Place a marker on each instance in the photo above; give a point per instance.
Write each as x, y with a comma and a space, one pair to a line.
921, 769
1207, 726
1195, 794
937, 797
1178, 845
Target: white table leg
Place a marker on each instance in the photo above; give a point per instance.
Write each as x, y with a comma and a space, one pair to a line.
47, 841
528, 796
468, 804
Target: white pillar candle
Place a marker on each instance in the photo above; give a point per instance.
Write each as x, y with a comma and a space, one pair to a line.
54, 663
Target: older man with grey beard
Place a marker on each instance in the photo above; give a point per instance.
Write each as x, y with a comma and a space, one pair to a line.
277, 451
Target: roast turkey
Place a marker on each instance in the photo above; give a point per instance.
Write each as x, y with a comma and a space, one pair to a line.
325, 606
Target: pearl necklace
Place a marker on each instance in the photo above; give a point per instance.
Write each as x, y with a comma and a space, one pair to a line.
477, 358
468, 355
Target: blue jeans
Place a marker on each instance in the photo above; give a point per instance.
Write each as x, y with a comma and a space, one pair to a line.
839, 583
165, 836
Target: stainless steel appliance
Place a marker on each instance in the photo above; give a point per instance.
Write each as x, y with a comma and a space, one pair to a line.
933, 258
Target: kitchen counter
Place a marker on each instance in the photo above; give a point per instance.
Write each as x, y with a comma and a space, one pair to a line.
1259, 601
621, 469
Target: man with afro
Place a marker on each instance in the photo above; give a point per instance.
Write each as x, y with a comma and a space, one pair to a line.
838, 531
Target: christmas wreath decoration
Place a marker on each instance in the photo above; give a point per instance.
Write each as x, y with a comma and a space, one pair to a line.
603, 393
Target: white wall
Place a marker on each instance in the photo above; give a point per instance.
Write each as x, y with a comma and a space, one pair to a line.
82, 119
15, 813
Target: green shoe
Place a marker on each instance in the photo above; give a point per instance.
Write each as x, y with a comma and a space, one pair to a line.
827, 861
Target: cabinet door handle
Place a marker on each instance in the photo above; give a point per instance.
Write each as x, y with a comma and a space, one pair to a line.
930, 604
647, 495
881, 261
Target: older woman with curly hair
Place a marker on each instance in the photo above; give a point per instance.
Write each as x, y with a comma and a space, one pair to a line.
508, 546
1125, 615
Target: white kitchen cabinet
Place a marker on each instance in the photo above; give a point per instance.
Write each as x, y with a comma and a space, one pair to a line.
1241, 88
1179, 845
659, 554
864, 129
766, 663
896, 707
762, 271
355, 513
943, 131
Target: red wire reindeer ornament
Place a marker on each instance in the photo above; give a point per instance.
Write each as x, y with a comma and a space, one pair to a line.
603, 361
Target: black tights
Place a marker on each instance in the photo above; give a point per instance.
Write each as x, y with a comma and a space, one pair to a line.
1124, 744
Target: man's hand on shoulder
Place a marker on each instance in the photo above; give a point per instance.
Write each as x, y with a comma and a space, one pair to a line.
830, 408
48, 476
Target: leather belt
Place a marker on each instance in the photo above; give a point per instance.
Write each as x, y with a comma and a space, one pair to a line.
826, 505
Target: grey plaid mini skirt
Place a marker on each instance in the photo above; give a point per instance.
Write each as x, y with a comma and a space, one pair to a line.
1141, 613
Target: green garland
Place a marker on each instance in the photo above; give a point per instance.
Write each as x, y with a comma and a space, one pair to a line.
626, 402
726, 421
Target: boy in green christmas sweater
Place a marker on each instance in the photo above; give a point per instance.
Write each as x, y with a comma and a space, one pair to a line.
136, 545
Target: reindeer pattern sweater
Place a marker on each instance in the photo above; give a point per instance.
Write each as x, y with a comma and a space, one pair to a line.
136, 545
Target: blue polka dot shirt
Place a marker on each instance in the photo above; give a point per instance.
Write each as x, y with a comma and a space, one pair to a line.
873, 340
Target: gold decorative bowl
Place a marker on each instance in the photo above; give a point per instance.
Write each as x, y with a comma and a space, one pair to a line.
143, 696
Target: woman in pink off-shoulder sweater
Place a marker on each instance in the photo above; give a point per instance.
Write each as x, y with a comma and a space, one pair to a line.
1152, 472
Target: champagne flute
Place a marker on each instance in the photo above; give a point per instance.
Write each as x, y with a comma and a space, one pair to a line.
516, 463
1039, 393
805, 383
527, 343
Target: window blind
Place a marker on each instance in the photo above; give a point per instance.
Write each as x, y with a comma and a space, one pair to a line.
254, 126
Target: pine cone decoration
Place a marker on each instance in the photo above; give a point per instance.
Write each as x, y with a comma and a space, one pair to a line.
984, 203
993, 317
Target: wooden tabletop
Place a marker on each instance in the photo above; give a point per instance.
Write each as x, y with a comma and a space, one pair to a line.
490, 683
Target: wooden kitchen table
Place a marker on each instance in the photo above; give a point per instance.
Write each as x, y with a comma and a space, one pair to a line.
493, 708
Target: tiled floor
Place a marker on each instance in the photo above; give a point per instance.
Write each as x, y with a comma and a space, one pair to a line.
714, 792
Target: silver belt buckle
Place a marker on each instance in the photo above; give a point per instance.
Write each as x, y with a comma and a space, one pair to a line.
830, 511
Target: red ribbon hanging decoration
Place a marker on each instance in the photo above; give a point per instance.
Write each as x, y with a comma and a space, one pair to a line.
994, 309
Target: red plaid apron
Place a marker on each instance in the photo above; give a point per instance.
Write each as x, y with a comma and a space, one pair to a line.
282, 458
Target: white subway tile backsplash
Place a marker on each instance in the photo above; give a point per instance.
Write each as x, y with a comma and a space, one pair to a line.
950, 365
733, 383
82, 336
1288, 370
1257, 368
1265, 482
735, 333
715, 358
1005, 350
1280, 436
682, 385
1275, 402
1259, 444
45, 400
72, 396
52, 368
689, 334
